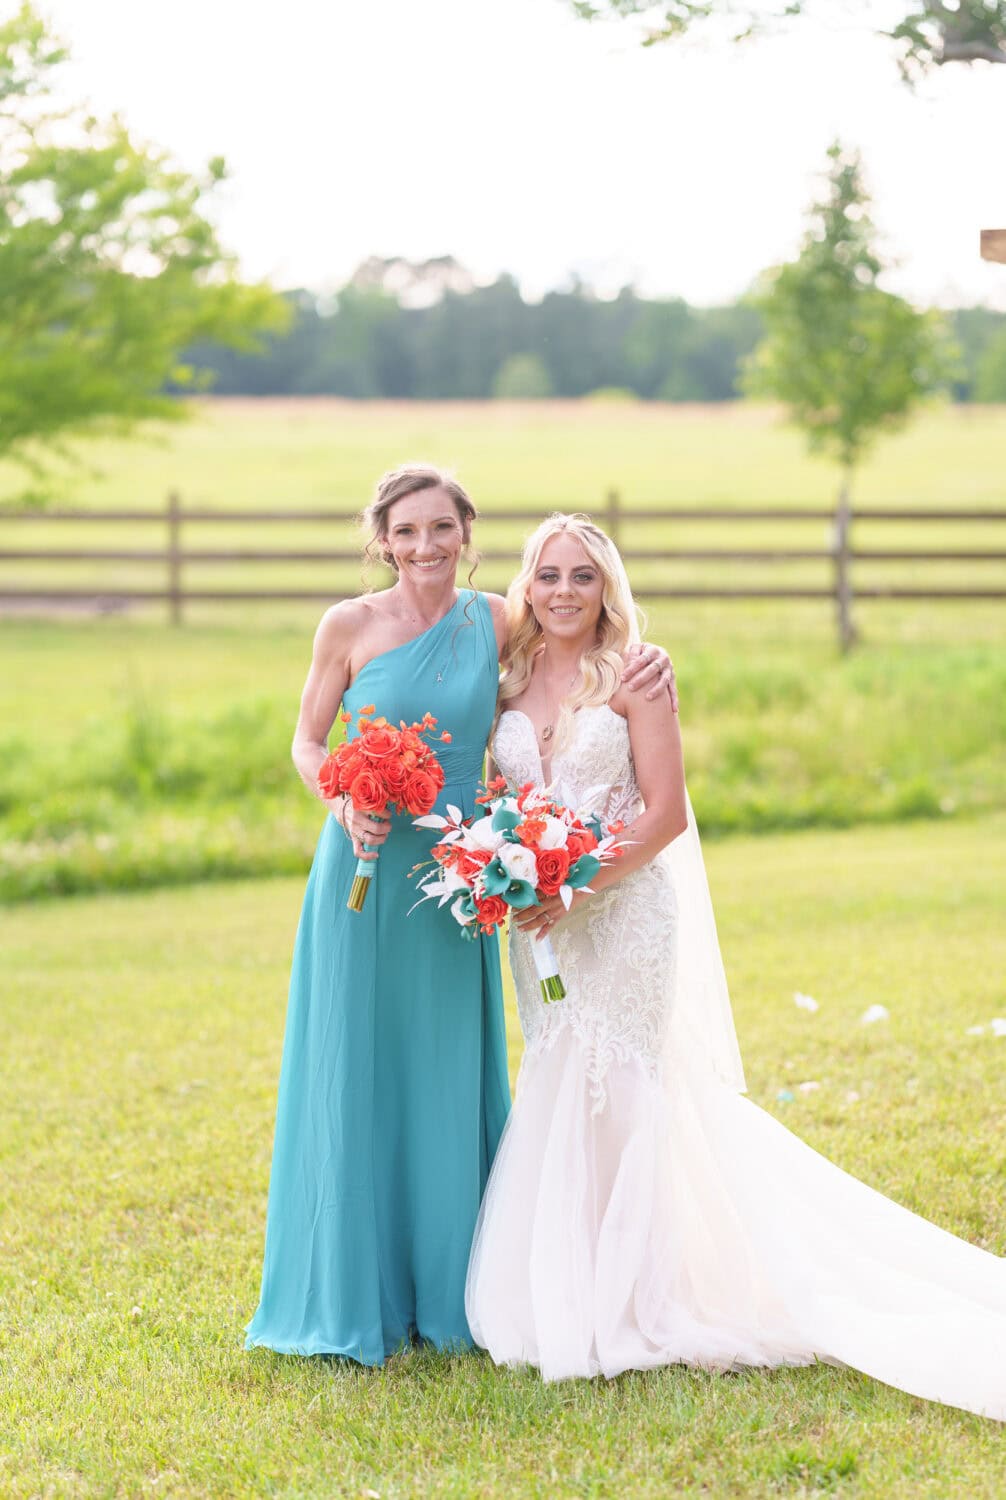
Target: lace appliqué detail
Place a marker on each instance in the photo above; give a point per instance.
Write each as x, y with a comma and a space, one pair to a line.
615, 953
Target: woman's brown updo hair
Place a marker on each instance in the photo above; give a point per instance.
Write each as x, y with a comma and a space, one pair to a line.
408, 480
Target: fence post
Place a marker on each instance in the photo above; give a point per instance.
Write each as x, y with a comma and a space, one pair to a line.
174, 558
843, 575
612, 516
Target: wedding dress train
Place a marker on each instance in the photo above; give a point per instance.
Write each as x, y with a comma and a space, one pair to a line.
642, 1212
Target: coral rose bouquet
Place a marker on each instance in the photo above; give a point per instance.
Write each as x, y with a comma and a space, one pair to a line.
522, 849
383, 768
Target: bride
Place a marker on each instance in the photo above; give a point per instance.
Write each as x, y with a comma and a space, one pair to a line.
641, 1211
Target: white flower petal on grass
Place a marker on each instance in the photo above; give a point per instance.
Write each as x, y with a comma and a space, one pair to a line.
976, 1031
874, 1013
998, 1026
804, 1002
809, 1086
852, 1096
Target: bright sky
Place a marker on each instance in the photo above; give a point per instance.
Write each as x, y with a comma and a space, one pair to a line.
515, 137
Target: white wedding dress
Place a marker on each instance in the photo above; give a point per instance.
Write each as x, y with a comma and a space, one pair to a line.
642, 1212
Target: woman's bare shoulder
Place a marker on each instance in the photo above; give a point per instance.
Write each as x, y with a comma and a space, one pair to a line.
342, 625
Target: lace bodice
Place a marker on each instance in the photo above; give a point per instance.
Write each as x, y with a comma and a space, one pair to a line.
598, 756
616, 950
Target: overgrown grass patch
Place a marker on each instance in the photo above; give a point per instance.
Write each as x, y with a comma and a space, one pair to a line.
167, 760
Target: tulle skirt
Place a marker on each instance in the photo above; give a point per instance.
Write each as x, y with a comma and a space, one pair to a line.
681, 1223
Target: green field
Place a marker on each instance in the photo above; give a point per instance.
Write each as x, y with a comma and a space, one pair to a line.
139, 1058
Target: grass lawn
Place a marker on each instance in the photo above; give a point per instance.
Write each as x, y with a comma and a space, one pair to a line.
139, 1052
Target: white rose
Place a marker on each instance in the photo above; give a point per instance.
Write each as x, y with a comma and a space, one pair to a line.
555, 835
482, 835
519, 863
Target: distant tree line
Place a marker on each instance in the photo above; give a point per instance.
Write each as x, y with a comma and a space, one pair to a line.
408, 331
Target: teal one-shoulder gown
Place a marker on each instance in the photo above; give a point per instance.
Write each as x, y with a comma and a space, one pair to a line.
393, 1090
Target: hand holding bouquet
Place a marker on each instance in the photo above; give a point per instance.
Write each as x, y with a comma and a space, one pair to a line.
524, 848
382, 768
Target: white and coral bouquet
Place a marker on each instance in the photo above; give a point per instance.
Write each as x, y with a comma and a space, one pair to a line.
521, 849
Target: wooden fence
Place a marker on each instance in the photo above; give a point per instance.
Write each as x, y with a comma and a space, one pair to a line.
171, 556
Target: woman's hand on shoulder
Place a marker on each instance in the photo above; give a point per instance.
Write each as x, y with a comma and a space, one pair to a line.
649, 666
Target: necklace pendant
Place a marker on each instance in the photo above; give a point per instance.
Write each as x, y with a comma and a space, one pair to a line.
440, 676
547, 732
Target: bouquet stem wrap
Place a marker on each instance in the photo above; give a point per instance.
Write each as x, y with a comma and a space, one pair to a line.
365, 870
549, 980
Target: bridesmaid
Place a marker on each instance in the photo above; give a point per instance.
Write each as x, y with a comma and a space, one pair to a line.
393, 1090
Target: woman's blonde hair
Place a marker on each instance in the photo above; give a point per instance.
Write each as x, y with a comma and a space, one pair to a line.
617, 627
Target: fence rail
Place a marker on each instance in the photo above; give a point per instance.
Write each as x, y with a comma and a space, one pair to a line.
176, 591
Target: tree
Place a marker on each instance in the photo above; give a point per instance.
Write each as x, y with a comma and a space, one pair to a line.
522, 377
929, 34
109, 266
990, 384
848, 359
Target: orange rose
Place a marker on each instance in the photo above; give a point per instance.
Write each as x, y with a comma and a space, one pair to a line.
394, 774
379, 742
491, 911
367, 792
553, 867
580, 841
470, 861
420, 793
328, 776
350, 765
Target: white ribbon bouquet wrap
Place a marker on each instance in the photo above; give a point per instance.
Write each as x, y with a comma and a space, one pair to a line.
525, 848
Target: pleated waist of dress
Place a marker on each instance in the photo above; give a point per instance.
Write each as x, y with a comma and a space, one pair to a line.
460, 787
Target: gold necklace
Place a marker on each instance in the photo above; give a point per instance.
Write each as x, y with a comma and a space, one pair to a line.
549, 728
